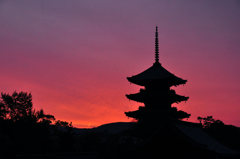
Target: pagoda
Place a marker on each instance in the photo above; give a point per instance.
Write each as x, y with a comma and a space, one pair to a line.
157, 95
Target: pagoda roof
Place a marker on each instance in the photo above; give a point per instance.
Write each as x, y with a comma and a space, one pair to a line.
156, 73
143, 96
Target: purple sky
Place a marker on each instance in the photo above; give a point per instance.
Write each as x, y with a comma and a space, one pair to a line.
74, 56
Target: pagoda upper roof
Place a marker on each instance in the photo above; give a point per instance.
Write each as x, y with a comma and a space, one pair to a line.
156, 73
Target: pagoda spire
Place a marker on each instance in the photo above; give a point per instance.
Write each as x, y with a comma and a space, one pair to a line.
156, 46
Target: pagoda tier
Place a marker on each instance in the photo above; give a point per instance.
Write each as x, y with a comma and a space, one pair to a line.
151, 98
156, 74
144, 113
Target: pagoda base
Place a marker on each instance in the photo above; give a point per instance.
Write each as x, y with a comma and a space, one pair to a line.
148, 114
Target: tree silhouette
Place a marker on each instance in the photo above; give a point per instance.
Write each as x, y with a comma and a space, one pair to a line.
26, 130
3, 110
63, 123
16, 106
43, 118
19, 106
209, 122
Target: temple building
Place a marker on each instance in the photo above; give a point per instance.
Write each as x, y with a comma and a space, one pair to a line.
157, 95
159, 129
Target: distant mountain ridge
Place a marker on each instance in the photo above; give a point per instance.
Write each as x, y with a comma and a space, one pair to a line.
109, 128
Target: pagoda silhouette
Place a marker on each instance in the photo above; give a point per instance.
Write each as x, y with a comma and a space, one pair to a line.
157, 94
160, 130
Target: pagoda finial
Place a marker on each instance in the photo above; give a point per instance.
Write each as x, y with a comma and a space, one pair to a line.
156, 46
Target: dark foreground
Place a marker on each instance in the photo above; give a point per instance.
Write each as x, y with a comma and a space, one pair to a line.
59, 156
130, 140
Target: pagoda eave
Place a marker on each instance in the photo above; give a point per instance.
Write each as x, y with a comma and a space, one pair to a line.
179, 99
145, 82
135, 97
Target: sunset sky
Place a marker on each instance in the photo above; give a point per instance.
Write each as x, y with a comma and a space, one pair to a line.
74, 55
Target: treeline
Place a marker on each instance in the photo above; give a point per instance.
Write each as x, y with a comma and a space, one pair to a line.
18, 107
26, 130
228, 135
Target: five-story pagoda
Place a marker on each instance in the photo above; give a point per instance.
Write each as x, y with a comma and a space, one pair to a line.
157, 94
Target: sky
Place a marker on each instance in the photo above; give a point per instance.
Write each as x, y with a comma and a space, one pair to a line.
74, 56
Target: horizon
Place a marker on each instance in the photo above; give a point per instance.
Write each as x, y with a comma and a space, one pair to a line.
74, 56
